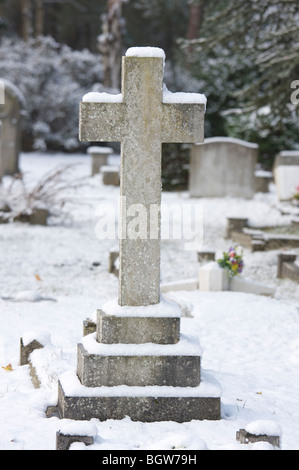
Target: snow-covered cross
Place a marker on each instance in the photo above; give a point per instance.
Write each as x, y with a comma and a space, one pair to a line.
142, 117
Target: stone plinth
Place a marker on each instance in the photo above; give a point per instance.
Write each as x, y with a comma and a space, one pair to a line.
99, 157
110, 175
146, 404
138, 365
117, 324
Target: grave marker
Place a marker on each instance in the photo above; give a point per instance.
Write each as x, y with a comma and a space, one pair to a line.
286, 174
142, 118
10, 116
223, 166
1, 161
99, 157
138, 343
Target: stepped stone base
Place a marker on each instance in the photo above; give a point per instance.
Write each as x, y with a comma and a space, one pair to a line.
110, 371
139, 364
159, 404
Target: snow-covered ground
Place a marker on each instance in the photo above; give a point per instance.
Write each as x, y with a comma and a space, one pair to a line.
53, 278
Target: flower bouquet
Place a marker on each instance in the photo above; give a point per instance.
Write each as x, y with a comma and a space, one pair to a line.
232, 261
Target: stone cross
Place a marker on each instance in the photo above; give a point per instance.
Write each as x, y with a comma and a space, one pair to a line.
142, 117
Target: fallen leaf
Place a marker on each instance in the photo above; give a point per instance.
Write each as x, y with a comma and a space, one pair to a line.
37, 277
8, 367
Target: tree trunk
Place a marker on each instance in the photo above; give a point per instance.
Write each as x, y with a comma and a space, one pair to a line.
194, 20
110, 43
39, 18
26, 19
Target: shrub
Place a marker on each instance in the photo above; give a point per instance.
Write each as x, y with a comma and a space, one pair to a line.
53, 78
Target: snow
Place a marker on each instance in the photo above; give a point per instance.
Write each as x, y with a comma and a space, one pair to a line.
97, 97
249, 343
43, 337
72, 387
182, 97
265, 427
75, 428
164, 308
188, 345
99, 149
145, 52
6, 84
289, 153
231, 140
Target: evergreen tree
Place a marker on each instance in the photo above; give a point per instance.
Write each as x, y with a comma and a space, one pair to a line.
247, 54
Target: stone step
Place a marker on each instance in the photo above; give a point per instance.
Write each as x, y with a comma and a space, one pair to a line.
145, 404
158, 323
139, 365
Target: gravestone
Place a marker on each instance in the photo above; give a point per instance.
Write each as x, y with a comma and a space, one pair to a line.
110, 175
287, 267
223, 166
99, 157
1, 162
262, 181
213, 278
10, 117
286, 174
138, 363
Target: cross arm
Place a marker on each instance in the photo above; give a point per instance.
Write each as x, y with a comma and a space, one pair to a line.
183, 122
101, 122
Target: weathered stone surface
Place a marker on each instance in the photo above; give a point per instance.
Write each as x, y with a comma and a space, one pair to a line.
286, 267
234, 224
113, 256
286, 174
262, 181
245, 438
205, 255
89, 327
1, 159
137, 370
179, 408
25, 351
10, 116
141, 121
64, 441
39, 217
223, 167
118, 374
117, 329
110, 175
99, 157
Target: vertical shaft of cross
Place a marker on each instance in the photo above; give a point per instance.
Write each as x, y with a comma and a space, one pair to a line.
139, 272
141, 118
